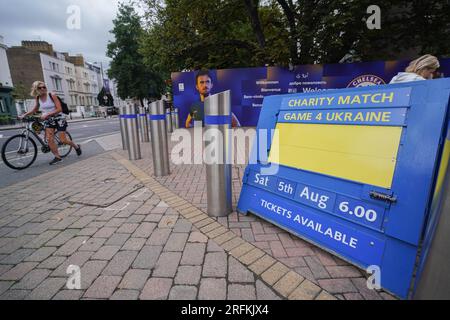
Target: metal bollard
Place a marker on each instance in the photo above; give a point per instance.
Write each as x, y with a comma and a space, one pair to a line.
160, 147
123, 128
177, 119
134, 148
172, 117
218, 138
169, 121
143, 125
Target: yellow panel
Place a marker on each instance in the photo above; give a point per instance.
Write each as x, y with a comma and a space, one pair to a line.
366, 154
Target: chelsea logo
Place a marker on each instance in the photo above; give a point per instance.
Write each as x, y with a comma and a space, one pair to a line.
366, 80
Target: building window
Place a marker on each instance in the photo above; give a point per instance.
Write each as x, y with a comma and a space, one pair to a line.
2, 106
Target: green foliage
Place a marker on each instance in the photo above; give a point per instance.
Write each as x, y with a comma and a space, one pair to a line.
179, 35
134, 78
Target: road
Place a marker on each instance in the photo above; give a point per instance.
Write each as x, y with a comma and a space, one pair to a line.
83, 133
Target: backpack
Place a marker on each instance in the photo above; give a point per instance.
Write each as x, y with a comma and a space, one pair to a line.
64, 106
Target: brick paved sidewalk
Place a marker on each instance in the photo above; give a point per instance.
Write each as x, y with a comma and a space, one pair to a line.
136, 237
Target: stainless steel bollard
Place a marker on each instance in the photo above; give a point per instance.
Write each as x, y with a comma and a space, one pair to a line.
143, 125
177, 119
172, 117
123, 128
160, 147
218, 154
134, 148
169, 121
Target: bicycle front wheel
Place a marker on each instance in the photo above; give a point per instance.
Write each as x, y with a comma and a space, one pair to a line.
19, 152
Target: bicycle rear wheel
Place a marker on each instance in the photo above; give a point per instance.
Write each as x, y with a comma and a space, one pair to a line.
63, 149
18, 152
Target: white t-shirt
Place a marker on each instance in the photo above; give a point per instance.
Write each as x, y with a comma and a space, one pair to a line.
48, 106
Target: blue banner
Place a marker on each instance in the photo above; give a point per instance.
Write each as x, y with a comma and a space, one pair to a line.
249, 86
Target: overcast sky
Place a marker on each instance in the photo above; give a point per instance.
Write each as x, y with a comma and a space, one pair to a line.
47, 20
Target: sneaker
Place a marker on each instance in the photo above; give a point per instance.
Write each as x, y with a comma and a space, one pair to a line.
55, 161
78, 150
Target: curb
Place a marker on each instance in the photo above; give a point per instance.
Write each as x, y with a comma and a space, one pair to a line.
9, 128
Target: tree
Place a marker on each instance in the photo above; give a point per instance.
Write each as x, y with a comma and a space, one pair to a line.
134, 78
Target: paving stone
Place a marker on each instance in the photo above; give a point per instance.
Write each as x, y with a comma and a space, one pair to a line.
123, 295
51, 263
93, 244
182, 225
241, 250
41, 239
77, 259
88, 231
241, 292
188, 275
237, 272
212, 289
13, 244
82, 222
337, 285
128, 228
47, 289
144, 230
135, 279
225, 237
115, 222
247, 235
71, 246
183, 293
41, 254
317, 268
66, 295
306, 291
261, 265
215, 265
15, 295
274, 273
120, 263
17, 256
193, 254
263, 292
153, 218
167, 222
294, 262
90, 271
353, 296
134, 244
299, 252
176, 242
306, 272
32, 279
5, 285
159, 237
167, 264
62, 238
286, 285
278, 250
18, 272
106, 253
232, 244
156, 289
117, 239
325, 296
103, 287
343, 272
65, 223
251, 256
213, 247
197, 237
105, 232
147, 257
361, 285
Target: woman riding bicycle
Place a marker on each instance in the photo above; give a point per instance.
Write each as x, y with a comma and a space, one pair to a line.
53, 118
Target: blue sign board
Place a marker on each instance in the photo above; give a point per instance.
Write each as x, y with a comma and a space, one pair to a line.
249, 86
355, 171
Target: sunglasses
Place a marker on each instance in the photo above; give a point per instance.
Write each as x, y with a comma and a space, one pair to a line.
41, 88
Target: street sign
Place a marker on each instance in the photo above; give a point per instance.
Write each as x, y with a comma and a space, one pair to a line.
355, 171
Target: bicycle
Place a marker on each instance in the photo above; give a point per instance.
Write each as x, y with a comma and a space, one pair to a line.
20, 151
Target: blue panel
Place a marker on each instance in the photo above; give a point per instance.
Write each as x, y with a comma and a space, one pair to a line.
342, 216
